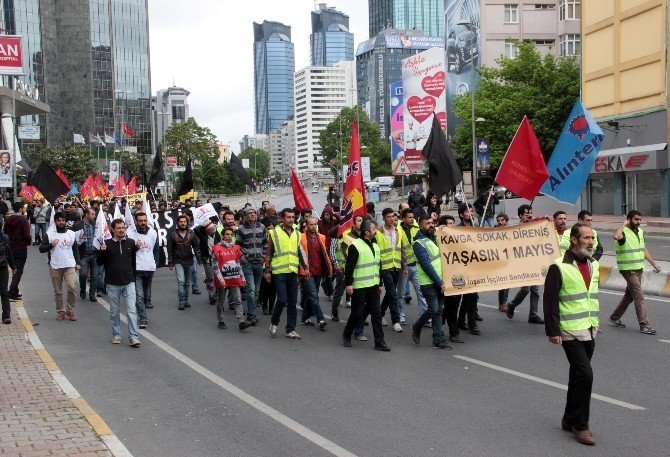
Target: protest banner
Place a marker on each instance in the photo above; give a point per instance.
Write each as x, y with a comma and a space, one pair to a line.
483, 259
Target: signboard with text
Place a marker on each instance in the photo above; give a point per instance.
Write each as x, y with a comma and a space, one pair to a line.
29, 132
171, 161
11, 55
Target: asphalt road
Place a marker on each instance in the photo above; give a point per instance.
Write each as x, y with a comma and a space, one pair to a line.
192, 389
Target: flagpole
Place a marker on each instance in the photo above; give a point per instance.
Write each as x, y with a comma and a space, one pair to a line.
481, 222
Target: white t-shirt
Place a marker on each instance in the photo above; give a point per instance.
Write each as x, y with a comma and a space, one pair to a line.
144, 258
61, 254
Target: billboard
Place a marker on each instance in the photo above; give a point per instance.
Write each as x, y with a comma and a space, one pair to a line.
11, 55
483, 158
424, 93
113, 170
397, 126
6, 173
461, 19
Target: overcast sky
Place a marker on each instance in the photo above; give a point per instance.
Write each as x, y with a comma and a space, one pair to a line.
206, 47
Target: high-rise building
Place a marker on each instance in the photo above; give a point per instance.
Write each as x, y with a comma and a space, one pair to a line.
330, 40
97, 75
424, 15
274, 65
258, 141
281, 144
170, 106
320, 95
379, 64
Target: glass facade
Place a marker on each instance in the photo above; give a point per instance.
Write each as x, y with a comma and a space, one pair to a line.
22, 17
330, 40
101, 68
424, 15
274, 66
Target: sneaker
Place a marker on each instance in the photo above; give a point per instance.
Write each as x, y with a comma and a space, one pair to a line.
335, 318
384, 323
60, 315
361, 337
535, 319
617, 322
347, 304
244, 325
510, 311
134, 342
293, 335
82, 295
196, 292
181, 306
72, 316
322, 325
403, 321
222, 325
397, 327
273, 331
143, 324
116, 339
441, 345
428, 324
456, 339
474, 330
647, 330
308, 323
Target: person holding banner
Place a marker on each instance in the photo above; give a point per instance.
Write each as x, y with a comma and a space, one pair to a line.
502, 220
430, 278
468, 301
571, 310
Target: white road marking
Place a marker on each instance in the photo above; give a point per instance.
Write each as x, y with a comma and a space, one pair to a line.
269, 411
546, 382
646, 297
664, 341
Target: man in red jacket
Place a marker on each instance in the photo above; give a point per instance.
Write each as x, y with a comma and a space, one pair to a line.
17, 229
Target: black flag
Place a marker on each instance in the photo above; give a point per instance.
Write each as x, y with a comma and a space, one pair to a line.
157, 171
186, 185
126, 171
238, 170
443, 171
47, 182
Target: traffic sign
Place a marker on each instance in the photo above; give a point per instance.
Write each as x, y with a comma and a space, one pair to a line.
402, 168
178, 169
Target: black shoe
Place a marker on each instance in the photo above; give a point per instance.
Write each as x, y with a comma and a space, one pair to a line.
510, 311
252, 320
143, 324
382, 347
463, 327
474, 330
82, 295
99, 294
148, 305
416, 335
322, 325
93, 299
478, 318
266, 312
441, 345
308, 323
187, 304
346, 341
212, 300
222, 325
196, 292
335, 318
535, 319
407, 300
244, 325
7, 321
366, 323
456, 339
181, 306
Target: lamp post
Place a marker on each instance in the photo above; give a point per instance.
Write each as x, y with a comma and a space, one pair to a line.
474, 150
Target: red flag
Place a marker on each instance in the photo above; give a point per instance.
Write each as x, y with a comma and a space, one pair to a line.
100, 186
127, 130
353, 200
28, 192
299, 196
523, 170
63, 178
88, 188
132, 186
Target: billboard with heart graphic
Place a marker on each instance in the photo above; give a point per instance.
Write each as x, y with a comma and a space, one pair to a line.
424, 86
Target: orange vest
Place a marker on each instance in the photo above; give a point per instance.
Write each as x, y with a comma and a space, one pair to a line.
305, 252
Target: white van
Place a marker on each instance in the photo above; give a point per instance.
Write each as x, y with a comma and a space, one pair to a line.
385, 183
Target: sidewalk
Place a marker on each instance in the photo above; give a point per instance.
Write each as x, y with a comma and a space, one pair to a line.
37, 417
657, 226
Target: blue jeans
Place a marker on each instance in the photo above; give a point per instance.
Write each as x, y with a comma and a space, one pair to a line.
253, 275
311, 291
403, 290
435, 303
286, 287
88, 264
183, 273
143, 292
128, 293
194, 274
40, 231
391, 278
100, 280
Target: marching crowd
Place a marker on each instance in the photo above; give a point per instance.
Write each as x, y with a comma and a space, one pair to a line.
257, 260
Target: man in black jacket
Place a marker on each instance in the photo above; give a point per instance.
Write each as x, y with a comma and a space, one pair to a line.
17, 229
181, 246
117, 255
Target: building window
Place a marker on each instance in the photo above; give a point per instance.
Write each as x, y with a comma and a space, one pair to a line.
571, 45
511, 14
511, 50
543, 6
570, 10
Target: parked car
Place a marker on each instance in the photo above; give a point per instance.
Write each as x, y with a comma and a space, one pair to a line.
315, 189
462, 46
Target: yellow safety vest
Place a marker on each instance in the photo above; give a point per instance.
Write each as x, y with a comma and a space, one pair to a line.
563, 241
285, 258
578, 307
391, 258
435, 262
407, 244
630, 255
366, 273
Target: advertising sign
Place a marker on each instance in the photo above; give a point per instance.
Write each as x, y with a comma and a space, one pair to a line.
405, 41
171, 161
11, 55
365, 165
397, 126
29, 132
424, 93
113, 170
6, 174
245, 163
482, 259
483, 158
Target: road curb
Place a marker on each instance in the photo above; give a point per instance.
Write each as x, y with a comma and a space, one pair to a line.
652, 283
115, 446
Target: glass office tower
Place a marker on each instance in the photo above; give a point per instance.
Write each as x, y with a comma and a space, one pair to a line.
330, 40
424, 15
274, 65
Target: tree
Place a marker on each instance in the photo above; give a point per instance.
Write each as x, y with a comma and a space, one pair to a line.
188, 139
259, 163
338, 134
542, 88
75, 161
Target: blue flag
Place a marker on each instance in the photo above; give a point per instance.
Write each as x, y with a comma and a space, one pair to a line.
573, 157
